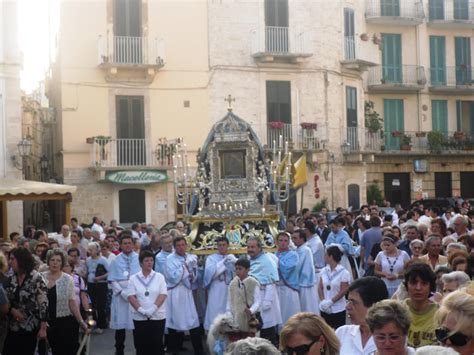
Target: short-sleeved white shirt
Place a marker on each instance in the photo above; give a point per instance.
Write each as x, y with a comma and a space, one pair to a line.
351, 341
156, 286
334, 279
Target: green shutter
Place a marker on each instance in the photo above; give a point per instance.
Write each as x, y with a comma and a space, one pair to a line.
436, 9
438, 60
461, 9
390, 7
393, 121
458, 115
439, 115
462, 49
392, 58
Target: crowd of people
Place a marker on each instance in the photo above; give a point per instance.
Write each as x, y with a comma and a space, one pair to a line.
364, 283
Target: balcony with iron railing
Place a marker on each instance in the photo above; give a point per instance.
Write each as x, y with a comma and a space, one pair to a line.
359, 52
107, 153
273, 43
434, 142
394, 12
403, 78
451, 14
142, 55
360, 140
300, 137
458, 80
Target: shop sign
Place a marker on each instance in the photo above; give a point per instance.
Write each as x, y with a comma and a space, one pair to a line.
136, 177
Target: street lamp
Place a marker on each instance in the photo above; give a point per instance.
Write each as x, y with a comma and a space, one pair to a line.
44, 164
24, 150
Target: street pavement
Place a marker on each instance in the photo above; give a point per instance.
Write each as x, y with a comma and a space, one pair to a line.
103, 344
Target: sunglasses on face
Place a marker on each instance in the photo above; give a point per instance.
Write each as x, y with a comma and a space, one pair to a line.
457, 339
299, 350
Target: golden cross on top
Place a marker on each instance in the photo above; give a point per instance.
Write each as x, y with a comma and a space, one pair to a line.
229, 100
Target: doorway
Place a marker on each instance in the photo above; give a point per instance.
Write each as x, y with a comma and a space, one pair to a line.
443, 185
132, 206
397, 188
467, 187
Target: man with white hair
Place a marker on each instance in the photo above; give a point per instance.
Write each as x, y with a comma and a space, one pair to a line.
433, 257
460, 227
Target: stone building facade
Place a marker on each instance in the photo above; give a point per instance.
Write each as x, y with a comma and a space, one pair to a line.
300, 69
10, 108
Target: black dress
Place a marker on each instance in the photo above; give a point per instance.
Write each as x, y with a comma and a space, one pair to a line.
63, 332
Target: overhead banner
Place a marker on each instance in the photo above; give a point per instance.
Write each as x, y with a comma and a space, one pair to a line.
136, 177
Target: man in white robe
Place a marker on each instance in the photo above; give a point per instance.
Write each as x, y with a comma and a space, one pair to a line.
264, 268
218, 273
309, 299
166, 242
181, 279
122, 268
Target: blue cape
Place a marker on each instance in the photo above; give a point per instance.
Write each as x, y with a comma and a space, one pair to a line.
264, 269
287, 263
123, 267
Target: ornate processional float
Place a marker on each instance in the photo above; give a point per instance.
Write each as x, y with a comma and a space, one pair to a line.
237, 190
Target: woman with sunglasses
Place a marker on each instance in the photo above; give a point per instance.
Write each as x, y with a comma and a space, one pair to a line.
456, 317
307, 333
389, 321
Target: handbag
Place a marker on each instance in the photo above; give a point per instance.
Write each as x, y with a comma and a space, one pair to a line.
255, 320
100, 270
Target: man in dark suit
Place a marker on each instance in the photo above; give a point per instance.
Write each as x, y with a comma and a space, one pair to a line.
322, 229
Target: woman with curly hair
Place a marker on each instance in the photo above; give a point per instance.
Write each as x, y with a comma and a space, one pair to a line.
28, 313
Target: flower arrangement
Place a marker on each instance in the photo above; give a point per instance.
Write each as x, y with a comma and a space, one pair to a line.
277, 125
309, 126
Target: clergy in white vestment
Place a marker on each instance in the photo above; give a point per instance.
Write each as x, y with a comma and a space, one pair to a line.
309, 300
287, 271
181, 278
122, 268
218, 273
264, 268
166, 243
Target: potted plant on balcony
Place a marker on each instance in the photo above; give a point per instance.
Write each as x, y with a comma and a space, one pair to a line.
435, 141
102, 141
405, 143
458, 135
373, 121
364, 37
277, 125
309, 126
468, 144
397, 134
420, 134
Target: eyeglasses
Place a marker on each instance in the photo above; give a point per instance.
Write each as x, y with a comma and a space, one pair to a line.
390, 337
301, 349
457, 339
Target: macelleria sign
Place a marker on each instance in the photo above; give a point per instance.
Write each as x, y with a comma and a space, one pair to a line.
136, 177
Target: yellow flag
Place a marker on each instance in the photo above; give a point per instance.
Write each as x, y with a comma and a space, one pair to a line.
300, 173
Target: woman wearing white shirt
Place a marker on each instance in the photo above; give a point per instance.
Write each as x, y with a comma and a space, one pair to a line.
147, 295
356, 339
390, 264
332, 288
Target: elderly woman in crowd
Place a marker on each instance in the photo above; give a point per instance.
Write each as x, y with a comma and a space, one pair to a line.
390, 263
453, 281
389, 322
307, 333
64, 315
28, 313
438, 226
356, 339
461, 257
456, 319
332, 288
439, 272
416, 248
80, 287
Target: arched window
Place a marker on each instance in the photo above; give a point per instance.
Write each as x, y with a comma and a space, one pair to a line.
353, 193
132, 206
